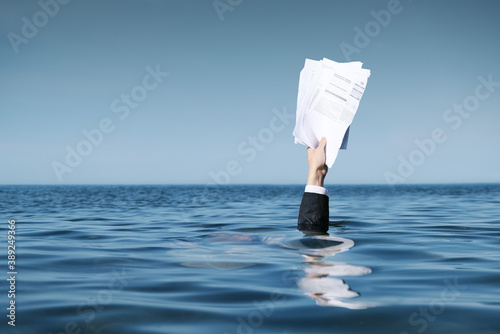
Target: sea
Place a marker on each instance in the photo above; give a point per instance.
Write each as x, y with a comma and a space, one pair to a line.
229, 259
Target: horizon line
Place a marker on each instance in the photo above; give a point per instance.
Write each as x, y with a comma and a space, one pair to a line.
246, 184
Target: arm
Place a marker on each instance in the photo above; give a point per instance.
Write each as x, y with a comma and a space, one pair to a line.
317, 168
314, 209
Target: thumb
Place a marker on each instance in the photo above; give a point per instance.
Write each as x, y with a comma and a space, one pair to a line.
322, 143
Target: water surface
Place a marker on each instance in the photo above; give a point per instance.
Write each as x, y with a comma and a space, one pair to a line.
195, 259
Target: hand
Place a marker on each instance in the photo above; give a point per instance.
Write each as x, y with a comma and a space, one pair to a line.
317, 168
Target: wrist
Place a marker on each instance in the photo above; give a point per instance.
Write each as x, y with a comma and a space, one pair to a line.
316, 178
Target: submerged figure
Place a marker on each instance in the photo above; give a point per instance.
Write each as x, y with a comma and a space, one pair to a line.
314, 211
322, 281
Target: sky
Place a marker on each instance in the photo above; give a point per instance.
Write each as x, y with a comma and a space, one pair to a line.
198, 92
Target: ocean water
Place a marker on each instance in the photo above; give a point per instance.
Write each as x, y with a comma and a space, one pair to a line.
195, 259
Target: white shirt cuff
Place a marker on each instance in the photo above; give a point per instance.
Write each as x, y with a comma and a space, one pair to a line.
316, 190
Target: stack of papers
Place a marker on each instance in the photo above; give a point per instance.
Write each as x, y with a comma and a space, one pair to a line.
329, 95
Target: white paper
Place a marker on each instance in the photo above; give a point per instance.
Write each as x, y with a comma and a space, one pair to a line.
327, 101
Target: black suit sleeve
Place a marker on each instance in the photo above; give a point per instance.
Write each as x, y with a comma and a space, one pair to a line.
314, 213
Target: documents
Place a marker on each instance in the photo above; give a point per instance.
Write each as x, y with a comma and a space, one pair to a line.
328, 98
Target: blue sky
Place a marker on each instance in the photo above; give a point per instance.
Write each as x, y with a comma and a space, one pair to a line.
233, 71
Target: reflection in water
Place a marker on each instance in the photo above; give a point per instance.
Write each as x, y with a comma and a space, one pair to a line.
321, 282
323, 278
